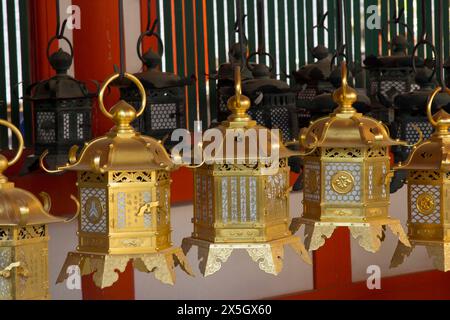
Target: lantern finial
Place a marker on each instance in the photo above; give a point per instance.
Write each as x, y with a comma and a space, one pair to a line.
4, 163
122, 113
345, 96
239, 103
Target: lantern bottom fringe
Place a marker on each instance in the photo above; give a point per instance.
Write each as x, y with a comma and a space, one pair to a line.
268, 255
104, 266
370, 234
438, 251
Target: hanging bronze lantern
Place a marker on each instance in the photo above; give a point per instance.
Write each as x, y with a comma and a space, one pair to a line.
124, 189
238, 205
428, 192
347, 176
166, 103
23, 236
272, 100
62, 109
447, 69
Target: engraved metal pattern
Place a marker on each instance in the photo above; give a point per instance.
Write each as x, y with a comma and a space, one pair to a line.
86, 224
80, 126
132, 177
5, 234
420, 193
224, 194
90, 177
163, 116
243, 198
343, 153
32, 232
342, 182
234, 199
66, 126
331, 169
45, 124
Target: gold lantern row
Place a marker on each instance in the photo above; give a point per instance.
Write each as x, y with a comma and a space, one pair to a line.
240, 206
429, 193
347, 176
23, 236
124, 190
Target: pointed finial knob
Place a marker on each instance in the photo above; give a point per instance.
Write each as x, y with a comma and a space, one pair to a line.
345, 96
238, 104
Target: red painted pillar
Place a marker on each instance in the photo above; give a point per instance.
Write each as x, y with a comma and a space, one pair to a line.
96, 50
333, 262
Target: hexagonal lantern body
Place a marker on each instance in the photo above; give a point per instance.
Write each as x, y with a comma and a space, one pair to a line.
347, 175
124, 191
240, 202
166, 103
428, 178
23, 238
62, 109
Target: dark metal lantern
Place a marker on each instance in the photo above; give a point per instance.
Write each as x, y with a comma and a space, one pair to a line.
62, 109
273, 101
411, 123
166, 102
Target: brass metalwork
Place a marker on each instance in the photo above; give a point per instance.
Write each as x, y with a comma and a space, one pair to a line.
238, 203
124, 191
347, 176
428, 181
23, 236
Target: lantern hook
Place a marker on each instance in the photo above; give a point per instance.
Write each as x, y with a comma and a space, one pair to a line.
21, 270
42, 164
5, 163
433, 122
419, 131
47, 204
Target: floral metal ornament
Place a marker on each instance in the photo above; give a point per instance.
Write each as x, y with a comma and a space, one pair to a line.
238, 203
124, 189
23, 236
428, 192
347, 176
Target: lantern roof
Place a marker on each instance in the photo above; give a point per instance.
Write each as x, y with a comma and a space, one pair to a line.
122, 148
316, 71
434, 153
60, 86
239, 122
19, 207
346, 127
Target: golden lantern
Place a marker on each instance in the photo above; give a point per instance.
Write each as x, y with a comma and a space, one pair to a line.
124, 190
237, 204
428, 181
23, 237
347, 176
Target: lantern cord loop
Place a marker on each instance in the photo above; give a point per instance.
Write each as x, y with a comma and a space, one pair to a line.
133, 79
19, 148
42, 164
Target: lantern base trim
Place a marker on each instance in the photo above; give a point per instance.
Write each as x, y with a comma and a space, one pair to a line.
104, 267
268, 255
369, 234
438, 251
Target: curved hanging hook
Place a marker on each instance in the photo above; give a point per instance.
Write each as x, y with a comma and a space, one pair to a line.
19, 136
396, 19
47, 204
42, 164
320, 25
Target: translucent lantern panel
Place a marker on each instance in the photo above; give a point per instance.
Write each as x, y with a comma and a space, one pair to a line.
5, 283
425, 204
163, 116
238, 199
343, 182
312, 181
93, 210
